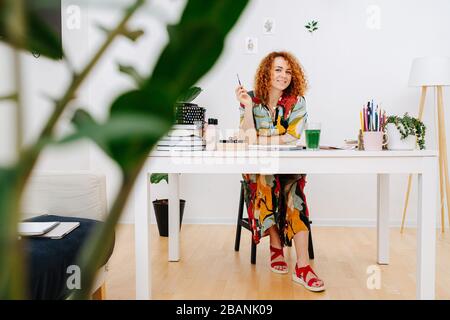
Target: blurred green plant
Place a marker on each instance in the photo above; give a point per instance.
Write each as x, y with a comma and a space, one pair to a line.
137, 118
158, 177
189, 95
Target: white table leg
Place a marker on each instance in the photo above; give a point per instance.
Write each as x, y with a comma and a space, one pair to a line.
174, 218
426, 230
383, 218
142, 237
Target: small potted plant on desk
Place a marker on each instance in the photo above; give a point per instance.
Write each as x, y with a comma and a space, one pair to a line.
161, 206
403, 132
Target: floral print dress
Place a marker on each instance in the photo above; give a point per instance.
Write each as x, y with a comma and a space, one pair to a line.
277, 199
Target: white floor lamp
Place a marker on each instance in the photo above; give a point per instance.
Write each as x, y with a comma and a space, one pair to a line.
433, 72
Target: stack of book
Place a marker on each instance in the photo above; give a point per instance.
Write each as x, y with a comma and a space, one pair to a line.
183, 137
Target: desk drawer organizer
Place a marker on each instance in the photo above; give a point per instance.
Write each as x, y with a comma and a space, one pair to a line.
187, 113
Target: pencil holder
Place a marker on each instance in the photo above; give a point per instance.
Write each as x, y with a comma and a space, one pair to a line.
373, 140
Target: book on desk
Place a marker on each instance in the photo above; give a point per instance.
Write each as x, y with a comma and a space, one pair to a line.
183, 137
287, 147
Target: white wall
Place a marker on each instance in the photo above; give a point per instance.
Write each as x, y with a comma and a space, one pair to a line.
346, 64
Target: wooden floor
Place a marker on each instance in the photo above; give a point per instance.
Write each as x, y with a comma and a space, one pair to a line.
211, 269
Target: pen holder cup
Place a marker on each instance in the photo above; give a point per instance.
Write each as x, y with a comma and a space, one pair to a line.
373, 140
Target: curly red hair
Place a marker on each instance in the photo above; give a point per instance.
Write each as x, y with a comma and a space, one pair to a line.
298, 84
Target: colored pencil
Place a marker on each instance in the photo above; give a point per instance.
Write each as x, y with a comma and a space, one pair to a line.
361, 121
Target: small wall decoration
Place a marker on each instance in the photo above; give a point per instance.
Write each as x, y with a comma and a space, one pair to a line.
312, 26
373, 21
251, 45
268, 26
73, 20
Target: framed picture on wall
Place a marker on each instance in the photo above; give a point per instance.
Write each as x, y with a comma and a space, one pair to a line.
251, 45
268, 26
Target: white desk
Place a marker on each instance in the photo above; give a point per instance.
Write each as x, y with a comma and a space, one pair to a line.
382, 163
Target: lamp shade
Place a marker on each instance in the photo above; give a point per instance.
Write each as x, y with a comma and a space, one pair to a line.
430, 71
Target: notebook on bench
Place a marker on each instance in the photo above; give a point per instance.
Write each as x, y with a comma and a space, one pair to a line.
52, 230
59, 232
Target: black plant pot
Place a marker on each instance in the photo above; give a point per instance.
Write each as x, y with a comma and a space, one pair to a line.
162, 215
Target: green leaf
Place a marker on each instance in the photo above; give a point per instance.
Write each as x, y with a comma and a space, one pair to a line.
82, 118
123, 136
139, 105
158, 177
11, 253
134, 34
38, 36
12, 96
85, 124
190, 94
133, 73
314, 23
103, 28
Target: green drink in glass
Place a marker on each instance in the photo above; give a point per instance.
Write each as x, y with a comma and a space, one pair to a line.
312, 133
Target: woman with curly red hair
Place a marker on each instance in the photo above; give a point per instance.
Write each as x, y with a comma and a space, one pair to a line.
276, 112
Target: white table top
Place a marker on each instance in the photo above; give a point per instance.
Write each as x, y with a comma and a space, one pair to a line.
297, 153
322, 161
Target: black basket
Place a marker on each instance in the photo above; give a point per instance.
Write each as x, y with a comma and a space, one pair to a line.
188, 113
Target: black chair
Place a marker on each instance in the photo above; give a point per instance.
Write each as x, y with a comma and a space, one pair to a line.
243, 222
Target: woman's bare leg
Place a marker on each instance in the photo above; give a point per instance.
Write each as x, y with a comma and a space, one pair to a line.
276, 242
301, 247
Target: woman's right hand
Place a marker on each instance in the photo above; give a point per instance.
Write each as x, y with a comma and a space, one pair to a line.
243, 97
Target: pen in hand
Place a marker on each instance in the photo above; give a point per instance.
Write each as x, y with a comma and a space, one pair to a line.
239, 79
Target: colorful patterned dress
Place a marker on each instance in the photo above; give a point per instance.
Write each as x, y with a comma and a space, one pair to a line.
277, 199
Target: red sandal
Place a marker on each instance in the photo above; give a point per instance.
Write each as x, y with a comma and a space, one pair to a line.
300, 276
275, 252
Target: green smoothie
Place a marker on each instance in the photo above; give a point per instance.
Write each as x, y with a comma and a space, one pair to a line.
312, 139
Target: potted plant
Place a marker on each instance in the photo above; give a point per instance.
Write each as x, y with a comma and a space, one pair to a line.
404, 132
161, 206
